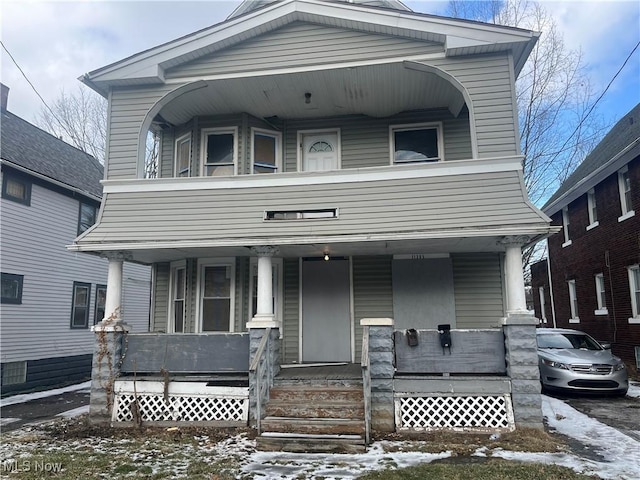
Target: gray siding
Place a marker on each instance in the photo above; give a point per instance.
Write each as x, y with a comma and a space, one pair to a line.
290, 347
372, 292
33, 244
302, 44
161, 298
478, 290
382, 206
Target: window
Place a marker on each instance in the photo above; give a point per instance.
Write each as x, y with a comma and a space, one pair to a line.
276, 266
16, 188
315, 214
634, 287
265, 154
80, 305
543, 306
12, 288
178, 296
624, 184
565, 226
182, 156
217, 297
593, 210
219, 151
101, 300
416, 143
86, 217
573, 302
14, 373
600, 295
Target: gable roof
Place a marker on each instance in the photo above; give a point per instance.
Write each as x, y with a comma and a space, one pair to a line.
250, 5
459, 37
616, 149
34, 151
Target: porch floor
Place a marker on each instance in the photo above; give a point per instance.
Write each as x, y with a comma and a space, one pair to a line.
341, 371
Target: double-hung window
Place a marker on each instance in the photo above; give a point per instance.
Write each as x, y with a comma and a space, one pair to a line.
80, 305
219, 151
182, 165
600, 295
217, 296
265, 151
634, 289
624, 186
101, 301
593, 209
12, 288
416, 143
573, 302
86, 217
178, 287
16, 188
565, 226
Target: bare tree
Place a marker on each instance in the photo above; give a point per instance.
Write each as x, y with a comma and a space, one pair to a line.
553, 94
78, 118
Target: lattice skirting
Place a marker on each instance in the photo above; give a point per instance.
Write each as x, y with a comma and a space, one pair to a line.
481, 413
184, 402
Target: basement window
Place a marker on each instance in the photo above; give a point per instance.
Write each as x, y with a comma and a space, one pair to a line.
316, 214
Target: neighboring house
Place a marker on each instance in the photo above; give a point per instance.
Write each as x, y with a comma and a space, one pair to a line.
595, 260
51, 297
330, 171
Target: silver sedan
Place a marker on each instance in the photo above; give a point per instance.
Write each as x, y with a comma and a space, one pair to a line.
571, 360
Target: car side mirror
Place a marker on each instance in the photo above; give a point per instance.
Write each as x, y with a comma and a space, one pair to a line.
605, 345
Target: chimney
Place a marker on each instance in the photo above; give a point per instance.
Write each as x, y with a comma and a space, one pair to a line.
4, 95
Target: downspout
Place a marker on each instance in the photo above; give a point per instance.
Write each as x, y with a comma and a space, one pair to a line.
553, 304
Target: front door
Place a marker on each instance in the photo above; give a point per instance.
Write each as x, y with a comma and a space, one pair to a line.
326, 313
320, 151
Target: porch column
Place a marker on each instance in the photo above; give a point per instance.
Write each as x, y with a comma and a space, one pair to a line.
264, 314
514, 278
108, 344
113, 300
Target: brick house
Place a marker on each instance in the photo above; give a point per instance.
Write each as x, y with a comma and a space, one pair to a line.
594, 259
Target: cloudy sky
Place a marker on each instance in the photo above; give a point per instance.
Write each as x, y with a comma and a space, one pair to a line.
54, 42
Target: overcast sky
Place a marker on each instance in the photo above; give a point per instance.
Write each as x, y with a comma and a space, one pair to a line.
54, 42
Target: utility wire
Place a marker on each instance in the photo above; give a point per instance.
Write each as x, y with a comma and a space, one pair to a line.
596, 102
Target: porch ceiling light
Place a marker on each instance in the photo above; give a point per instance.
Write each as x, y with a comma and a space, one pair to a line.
326, 256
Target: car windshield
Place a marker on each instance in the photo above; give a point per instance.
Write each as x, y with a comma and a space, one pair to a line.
567, 340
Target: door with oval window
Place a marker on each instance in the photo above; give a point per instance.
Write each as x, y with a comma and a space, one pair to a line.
320, 151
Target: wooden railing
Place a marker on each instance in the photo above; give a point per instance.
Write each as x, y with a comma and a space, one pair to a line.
260, 369
366, 383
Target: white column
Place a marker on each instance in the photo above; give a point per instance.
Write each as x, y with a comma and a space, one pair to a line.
113, 300
514, 277
264, 316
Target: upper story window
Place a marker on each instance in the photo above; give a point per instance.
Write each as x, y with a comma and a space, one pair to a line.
265, 152
183, 156
573, 302
16, 188
416, 143
219, 151
12, 288
86, 217
565, 226
624, 185
593, 209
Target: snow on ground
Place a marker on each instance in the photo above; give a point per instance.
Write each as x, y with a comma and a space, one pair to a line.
27, 397
634, 390
612, 455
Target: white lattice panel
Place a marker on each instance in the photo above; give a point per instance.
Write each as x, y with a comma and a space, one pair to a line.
454, 412
186, 403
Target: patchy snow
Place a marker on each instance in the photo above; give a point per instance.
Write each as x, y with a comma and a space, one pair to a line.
634, 390
607, 453
27, 397
76, 412
7, 421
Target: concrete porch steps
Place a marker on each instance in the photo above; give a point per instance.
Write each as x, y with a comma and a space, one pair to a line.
314, 416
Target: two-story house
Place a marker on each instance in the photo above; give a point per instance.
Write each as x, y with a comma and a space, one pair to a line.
51, 297
323, 163
594, 261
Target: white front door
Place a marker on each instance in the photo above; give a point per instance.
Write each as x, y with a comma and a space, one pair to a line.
320, 151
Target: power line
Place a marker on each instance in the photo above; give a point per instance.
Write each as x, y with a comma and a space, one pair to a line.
596, 102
